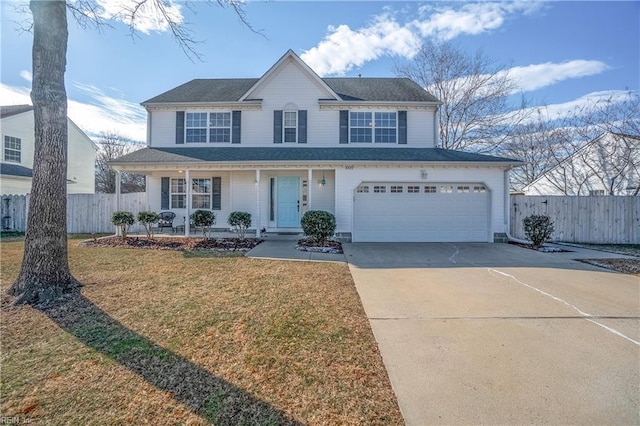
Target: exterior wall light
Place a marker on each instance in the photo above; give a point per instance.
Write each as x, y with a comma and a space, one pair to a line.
322, 182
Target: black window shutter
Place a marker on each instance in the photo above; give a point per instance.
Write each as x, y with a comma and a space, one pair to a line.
277, 126
402, 127
302, 126
235, 126
164, 193
216, 193
179, 126
344, 126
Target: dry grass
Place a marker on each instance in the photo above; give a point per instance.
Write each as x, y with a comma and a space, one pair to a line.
162, 338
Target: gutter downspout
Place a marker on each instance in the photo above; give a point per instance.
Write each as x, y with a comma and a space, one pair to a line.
507, 211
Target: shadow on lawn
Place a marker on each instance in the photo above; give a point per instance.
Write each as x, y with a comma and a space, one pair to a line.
212, 398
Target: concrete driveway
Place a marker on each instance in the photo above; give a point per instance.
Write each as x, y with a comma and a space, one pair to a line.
497, 334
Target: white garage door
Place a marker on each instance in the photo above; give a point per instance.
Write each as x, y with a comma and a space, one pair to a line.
421, 212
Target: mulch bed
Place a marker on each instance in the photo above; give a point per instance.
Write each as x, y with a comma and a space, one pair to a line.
626, 266
176, 243
543, 249
327, 246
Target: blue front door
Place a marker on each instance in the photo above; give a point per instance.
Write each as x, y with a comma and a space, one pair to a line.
288, 202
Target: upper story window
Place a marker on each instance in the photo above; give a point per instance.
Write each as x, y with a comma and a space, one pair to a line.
12, 149
290, 126
378, 127
203, 127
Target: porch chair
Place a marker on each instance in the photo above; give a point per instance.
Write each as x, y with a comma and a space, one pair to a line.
166, 220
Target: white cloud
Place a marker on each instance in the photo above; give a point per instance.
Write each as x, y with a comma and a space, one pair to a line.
11, 95
472, 19
344, 48
537, 76
149, 15
25, 74
584, 103
105, 114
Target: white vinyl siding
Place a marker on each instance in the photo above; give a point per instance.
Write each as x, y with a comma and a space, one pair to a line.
81, 153
293, 85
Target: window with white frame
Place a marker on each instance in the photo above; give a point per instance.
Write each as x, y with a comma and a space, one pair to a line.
220, 127
385, 127
201, 193
205, 193
290, 126
12, 149
203, 127
178, 193
196, 127
378, 127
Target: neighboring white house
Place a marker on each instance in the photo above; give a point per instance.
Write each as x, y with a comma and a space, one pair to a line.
17, 126
290, 141
608, 165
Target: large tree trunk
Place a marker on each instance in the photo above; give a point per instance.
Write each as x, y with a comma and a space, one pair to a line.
45, 275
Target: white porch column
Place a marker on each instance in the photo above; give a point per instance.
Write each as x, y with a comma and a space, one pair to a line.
309, 187
258, 227
187, 179
118, 190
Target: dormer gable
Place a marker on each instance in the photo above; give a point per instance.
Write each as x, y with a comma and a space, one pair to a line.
288, 59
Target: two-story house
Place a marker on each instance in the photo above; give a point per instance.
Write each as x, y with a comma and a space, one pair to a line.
364, 149
18, 145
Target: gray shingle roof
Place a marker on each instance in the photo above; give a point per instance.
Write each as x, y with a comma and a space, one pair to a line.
379, 89
206, 90
8, 169
349, 89
297, 154
9, 110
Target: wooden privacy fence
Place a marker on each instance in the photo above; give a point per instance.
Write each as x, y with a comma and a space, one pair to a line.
86, 213
593, 219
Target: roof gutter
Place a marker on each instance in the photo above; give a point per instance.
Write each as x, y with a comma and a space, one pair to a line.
190, 105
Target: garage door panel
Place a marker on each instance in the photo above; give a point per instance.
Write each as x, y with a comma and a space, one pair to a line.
457, 216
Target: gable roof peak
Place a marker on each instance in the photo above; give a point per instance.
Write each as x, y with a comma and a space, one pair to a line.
289, 55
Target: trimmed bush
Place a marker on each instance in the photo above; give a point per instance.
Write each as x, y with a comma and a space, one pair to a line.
147, 219
240, 222
538, 229
123, 220
203, 219
318, 224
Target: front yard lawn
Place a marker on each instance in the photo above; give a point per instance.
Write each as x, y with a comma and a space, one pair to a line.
159, 337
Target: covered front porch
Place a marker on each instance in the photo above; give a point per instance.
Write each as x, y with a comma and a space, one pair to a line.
275, 196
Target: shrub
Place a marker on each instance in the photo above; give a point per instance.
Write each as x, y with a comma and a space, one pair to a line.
240, 221
538, 229
318, 224
147, 219
203, 219
123, 220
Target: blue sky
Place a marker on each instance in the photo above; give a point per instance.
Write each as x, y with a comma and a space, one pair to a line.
562, 53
